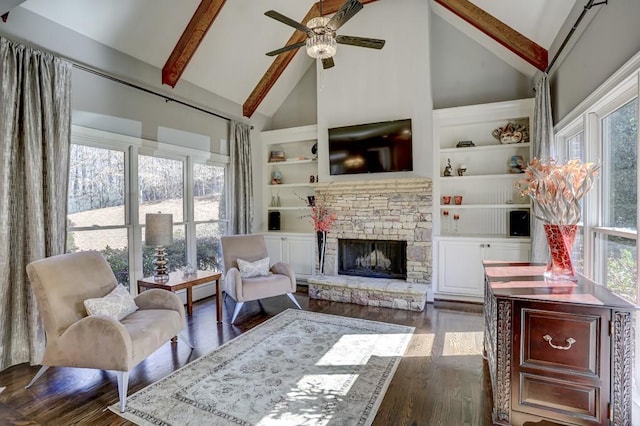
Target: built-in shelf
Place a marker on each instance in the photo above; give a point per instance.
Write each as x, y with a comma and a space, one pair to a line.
493, 147
290, 162
288, 208
485, 219
491, 176
292, 185
298, 174
485, 206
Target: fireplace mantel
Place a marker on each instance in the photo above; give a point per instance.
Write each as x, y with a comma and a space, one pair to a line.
377, 185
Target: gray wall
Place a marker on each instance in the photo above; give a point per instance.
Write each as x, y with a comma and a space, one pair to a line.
464, 72
102, 104
610, 36
300, 108
393, 83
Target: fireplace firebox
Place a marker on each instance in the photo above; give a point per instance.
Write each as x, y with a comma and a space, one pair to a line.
372, 258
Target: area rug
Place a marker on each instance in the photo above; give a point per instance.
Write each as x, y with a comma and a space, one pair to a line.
297, 368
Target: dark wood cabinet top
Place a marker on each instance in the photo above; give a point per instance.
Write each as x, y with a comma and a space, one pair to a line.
523, 280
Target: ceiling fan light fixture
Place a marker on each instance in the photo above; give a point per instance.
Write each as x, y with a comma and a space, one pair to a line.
322, 44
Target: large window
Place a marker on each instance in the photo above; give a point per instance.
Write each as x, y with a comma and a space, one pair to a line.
210, 214
575, 151
605, 129
161, 190
96, 206
114, 183
615, 237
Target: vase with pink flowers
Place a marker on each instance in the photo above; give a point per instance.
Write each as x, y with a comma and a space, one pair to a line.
322, 221
555, 191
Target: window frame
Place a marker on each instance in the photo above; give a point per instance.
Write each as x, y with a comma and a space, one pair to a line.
132, 148
614, 93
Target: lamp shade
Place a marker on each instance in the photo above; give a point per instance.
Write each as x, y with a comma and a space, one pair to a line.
158, 229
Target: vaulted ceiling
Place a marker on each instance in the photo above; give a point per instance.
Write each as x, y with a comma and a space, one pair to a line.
220, 45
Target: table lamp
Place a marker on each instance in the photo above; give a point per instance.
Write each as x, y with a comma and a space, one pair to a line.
159, 233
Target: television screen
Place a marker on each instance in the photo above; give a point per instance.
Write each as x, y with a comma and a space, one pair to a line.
371, 148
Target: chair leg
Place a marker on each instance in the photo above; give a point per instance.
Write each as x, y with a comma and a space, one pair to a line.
123, 385
184, 339
37, 376
293, 299
236, 311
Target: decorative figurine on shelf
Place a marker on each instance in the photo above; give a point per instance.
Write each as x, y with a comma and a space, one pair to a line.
276, 177
516, 164
462, 169
448, 168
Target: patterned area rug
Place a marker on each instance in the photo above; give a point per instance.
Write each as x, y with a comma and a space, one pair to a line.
297, 368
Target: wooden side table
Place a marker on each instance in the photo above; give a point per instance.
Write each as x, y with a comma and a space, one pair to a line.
178, 282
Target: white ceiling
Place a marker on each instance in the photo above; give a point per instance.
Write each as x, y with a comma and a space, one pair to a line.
231, 59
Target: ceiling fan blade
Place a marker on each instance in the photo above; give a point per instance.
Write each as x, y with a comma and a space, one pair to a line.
328, 63
372, 43
288, 21
285, 49
346, 12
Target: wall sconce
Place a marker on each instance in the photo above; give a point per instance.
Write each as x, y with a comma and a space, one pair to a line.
159, 233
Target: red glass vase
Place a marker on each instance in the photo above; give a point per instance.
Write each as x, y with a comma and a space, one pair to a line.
560, 239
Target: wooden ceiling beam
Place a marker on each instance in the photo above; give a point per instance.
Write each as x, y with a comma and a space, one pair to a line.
525, 48
190, 39
281, 61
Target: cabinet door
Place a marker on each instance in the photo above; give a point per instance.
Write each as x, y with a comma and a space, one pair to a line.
275, 247
515, 251
460, 268
300, 251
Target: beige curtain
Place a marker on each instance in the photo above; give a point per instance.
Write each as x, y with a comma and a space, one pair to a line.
542, 137
241, 178
35, 124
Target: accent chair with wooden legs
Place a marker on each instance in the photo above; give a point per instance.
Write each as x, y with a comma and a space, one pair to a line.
62, 284
248, 275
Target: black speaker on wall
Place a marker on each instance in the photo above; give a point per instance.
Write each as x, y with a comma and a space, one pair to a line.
274, 221
519, 223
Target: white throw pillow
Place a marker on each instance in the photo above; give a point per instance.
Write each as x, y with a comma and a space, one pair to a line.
253, 269
117, 304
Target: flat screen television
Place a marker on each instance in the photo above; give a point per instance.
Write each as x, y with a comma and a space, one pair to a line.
371, 148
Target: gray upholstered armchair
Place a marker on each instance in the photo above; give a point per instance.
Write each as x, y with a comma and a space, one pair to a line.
63, 283
251, 248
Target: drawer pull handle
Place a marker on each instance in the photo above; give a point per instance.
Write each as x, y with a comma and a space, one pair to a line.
570, 342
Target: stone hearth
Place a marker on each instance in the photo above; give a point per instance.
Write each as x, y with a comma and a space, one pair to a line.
387, 293
382, 209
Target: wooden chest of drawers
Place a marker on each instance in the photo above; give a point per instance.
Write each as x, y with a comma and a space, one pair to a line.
557, 351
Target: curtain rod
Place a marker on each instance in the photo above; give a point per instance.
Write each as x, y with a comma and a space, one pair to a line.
587, 7
144, 89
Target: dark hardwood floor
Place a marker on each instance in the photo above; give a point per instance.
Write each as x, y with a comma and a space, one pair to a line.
442, 379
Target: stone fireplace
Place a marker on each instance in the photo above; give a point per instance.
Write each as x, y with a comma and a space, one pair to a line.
377, 212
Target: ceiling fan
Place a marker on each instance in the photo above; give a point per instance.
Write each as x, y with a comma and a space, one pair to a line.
321, 41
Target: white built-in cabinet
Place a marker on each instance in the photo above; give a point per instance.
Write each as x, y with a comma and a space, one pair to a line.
488, 195
296, 250
294, 242
460, 273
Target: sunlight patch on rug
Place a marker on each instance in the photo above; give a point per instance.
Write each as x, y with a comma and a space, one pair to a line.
349, 349
296, 368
